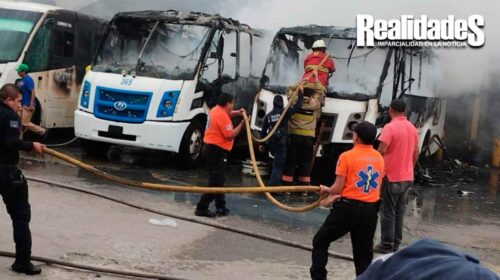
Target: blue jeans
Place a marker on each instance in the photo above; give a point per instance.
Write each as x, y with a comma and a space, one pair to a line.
392, 211
278, 150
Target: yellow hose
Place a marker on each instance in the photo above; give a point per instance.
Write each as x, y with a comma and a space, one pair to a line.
194, 189
290, 102
174, 188
263, 186
162, 187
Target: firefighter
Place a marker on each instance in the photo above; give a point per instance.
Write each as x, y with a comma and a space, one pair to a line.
277, 145
13, 185
302, 130
316, 67
356, 199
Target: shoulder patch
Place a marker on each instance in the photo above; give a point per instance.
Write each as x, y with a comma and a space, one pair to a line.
14, 124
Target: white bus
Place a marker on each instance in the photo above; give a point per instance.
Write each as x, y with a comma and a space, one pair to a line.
365, 82
156, 74
57, 44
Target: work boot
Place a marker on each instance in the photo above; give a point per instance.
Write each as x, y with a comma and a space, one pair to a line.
383, 248
204, 213
222, 212
395, 248
28, 268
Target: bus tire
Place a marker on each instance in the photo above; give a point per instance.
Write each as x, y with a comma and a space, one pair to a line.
191, 145
94, 148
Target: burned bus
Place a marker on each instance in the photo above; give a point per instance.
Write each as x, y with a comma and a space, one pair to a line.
57, 44
156, 74
365, 82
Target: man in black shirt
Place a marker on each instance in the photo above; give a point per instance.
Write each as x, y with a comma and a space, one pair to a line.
13, 185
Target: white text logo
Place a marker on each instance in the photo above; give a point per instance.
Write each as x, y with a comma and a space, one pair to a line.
455, 32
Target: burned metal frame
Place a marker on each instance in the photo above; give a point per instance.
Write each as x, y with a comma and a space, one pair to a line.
215, 22
398, 55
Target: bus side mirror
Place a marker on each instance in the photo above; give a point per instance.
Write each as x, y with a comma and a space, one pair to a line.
213, 55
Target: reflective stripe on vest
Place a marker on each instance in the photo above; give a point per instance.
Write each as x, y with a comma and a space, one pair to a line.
303, 117
317, 67
302, 132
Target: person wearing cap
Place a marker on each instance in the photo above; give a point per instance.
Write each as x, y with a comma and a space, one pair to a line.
355, 195
399, 146
428, 259
27, 87
277, 145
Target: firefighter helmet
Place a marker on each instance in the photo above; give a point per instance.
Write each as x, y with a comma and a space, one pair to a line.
319, 44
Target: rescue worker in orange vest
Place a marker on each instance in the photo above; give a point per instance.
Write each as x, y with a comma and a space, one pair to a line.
219, 138
356, 200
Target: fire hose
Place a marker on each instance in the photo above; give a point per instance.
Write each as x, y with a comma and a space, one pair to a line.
290, 102
194, 189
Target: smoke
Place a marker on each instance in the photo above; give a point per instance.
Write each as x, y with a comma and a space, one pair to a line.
461, 71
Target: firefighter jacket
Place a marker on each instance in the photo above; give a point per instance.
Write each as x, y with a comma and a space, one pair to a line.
304, 121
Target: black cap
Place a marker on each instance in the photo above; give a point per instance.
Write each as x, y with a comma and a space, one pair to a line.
278, 101
398, 105
366, 132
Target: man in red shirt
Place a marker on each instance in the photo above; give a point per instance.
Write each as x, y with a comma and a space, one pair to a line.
355, 196
313, 71
399, 146
218, 139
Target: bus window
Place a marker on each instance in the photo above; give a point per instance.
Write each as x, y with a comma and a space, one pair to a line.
245, 55
229, 54
209, 70
15, 28
37, 56
63, 43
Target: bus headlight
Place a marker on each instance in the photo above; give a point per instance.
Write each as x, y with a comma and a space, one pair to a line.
167, 104
85, 97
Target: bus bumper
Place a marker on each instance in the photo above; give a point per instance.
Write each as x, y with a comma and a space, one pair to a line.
166, 136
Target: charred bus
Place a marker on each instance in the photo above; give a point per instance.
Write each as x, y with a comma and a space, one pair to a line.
156, 74
57, 44
365, 82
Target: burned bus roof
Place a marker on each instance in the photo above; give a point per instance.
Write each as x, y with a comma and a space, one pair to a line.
320, 31
197, 18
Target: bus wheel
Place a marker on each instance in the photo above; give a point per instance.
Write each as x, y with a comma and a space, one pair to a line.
191, 145
95, 148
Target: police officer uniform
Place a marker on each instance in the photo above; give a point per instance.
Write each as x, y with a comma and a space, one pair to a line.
14, 188
277, 145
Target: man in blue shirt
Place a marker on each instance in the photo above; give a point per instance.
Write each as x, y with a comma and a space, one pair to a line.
27, 87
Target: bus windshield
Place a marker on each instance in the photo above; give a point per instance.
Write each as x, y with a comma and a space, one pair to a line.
358, 70
15, 28
152, 49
